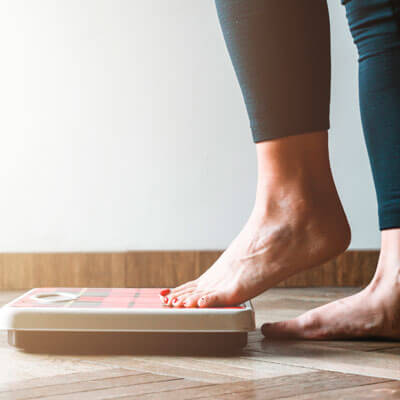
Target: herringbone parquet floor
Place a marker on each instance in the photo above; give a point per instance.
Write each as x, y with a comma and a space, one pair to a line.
263, 370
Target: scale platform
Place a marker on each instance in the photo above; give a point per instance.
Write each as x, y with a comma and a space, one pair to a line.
119, 321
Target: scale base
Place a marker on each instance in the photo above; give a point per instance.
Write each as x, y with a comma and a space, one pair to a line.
64, 342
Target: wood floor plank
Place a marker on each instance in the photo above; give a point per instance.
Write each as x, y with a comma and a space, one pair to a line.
392, 350
272, 388
290, 303
129, 391
361, 345
66, 379
318, 356
238, 368
311, 293
196, 365
164, 367
17, 366
74, 388
381, 391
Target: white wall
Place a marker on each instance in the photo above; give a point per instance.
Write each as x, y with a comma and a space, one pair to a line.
123, 127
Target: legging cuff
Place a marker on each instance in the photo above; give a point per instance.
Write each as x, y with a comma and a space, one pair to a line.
262, 133
389, 221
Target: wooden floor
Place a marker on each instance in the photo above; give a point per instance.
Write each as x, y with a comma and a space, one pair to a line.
263, 370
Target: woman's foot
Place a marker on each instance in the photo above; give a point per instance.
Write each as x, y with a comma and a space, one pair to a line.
297, 223
373, 312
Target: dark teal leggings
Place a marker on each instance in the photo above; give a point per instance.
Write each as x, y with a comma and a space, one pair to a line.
280, 50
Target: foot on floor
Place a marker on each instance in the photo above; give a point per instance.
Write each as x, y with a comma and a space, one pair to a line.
374, 312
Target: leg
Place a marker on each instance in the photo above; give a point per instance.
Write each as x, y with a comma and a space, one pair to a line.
281, 54
375, 311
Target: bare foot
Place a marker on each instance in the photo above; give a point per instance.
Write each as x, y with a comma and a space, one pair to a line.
373, 312
297, 223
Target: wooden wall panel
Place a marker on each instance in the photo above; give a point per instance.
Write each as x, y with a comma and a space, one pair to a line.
20, 271
352, 268
159, 269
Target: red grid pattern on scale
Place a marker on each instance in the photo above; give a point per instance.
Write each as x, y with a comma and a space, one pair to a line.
100, 298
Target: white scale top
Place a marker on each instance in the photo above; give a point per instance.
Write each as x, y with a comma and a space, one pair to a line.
117, 309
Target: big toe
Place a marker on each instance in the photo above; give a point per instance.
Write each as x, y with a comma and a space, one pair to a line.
290, 329
183, 287
169, 296
341, 319
320, 323
215, 299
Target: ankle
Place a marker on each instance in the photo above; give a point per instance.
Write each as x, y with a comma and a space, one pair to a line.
322, 220
299, 200
295, 169
387, 275
296, 188
390, 246
388, 268
293, 157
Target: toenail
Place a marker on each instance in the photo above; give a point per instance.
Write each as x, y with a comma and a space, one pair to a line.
164, 292
166, 299
265, 326
174, 301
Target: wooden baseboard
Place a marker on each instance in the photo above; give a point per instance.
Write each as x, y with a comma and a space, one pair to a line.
159, 269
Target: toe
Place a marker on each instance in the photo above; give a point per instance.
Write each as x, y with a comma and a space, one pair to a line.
191, 300
181, 295
214, 299
185, 286
177, 302
310, 325
171, 295
282, 330
164, 300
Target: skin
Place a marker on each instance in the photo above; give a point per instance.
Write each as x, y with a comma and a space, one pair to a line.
373, 312
297, 223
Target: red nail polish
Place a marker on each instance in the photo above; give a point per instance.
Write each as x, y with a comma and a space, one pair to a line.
174, 301
165, 300
164, 292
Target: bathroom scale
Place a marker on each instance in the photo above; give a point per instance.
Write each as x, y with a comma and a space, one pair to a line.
120, 320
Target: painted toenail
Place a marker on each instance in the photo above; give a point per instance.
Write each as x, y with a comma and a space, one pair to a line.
164, 292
